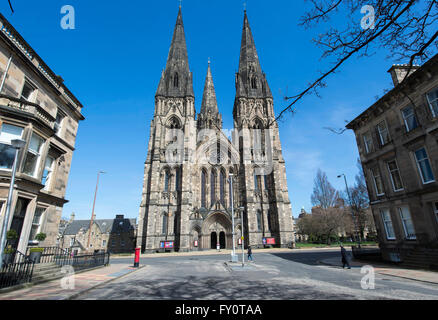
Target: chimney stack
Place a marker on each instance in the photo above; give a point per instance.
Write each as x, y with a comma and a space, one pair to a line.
399, 71
72, 217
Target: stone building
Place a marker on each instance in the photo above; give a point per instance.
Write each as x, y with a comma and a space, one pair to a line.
36, 106
110, 235
186, 196
397, 141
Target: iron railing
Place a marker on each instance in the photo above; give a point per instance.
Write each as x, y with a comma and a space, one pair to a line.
17, 269
81, 262
51, 254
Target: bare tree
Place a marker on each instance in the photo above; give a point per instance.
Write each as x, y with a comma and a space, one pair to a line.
406, 28
10, 6
324, 195
360, 202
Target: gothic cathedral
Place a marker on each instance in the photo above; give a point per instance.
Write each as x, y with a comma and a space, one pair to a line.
195, 171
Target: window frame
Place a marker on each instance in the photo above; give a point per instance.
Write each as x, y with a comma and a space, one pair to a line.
50, 172
375, 182
33, 92
391, 177
419, 168
434, 113
8, 143
408, 236
368, 148
413, 115
382, 216
382, 142
38, 154
39, 224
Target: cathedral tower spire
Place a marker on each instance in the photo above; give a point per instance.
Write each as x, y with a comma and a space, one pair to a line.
250, 80
176, 80
209, 115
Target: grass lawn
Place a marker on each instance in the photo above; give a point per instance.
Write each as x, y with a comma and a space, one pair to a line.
300, 245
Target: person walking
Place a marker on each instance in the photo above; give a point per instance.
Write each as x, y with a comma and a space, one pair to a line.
344, 255
249, 253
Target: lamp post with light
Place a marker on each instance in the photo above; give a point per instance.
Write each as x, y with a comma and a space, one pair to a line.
17, 144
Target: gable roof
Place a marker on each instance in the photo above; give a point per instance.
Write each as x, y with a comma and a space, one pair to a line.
104, 225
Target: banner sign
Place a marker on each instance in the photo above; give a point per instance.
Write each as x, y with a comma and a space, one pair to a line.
166, 244
270, 241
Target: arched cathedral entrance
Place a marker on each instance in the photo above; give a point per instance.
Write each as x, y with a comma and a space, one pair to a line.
216, 229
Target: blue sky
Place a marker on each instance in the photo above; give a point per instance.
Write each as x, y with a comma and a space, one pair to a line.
112, 62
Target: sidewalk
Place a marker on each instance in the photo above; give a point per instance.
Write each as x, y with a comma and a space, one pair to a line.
83, 282
211, 252
386, 269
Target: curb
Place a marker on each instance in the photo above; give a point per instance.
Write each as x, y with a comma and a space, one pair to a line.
384, 274
75, 295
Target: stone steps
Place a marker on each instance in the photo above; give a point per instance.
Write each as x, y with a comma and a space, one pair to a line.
46, 272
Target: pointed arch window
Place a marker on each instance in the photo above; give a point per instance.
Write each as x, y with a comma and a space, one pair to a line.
266, 181
203, 187
213, 186
175, 80
166, 180
222, 187
177, 179
259, 220
256, 181
164, 224
254, 82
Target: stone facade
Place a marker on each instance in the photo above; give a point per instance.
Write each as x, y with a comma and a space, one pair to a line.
186, 194
397, 141
109, 235
37, 107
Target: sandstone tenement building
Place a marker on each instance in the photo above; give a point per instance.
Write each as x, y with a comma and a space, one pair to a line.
186, 194
397, 140
36, 106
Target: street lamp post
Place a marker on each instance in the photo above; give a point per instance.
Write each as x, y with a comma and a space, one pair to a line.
351, 208
233, 254
17, 144
243, 237
92, 212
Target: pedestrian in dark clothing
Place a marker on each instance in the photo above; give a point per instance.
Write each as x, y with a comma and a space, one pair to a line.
344, 255
249, 253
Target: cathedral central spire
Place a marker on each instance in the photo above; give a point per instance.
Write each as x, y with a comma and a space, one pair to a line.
176, 80
209, 116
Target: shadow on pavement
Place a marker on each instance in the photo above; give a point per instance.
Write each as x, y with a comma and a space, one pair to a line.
197, 288
309, 258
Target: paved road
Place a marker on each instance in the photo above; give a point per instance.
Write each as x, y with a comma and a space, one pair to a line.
288, 275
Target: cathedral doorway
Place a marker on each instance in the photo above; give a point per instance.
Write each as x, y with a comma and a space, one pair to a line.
213, 240
216, 230
222, 240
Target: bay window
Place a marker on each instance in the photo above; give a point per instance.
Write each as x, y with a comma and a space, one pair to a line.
48, 170
7, 152
33, 156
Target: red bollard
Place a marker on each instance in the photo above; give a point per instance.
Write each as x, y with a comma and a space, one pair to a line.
137, 258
